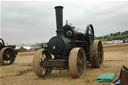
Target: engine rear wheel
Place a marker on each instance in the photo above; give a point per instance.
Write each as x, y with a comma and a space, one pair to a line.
39, 57
96, 54
7, 56
77, 62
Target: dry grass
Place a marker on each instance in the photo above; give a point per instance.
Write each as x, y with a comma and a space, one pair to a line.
21, 72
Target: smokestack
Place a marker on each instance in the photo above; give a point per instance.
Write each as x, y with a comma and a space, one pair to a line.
59, 20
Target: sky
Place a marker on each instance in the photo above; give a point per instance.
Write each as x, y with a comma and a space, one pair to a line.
27, 22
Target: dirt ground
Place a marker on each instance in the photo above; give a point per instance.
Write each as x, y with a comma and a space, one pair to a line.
21, 72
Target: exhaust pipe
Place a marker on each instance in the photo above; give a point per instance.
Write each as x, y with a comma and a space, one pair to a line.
59, 20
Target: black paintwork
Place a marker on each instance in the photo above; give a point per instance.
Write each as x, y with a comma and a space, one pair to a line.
66, 39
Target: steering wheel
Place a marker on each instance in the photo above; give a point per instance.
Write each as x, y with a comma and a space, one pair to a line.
90, 33
2, 44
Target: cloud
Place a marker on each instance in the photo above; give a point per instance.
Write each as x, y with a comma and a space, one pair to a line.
34, 21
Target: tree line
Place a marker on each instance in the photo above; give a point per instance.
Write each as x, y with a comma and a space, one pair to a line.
114, 36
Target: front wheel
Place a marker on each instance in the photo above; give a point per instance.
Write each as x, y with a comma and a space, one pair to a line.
39, 57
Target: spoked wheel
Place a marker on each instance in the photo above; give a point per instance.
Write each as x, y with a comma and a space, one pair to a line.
90, 33
96, 54
7, 56
77, 62
38, 59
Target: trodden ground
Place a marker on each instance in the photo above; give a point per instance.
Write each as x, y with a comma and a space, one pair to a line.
21, 72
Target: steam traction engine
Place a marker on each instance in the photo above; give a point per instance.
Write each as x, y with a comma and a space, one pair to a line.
7, 53
71, 50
